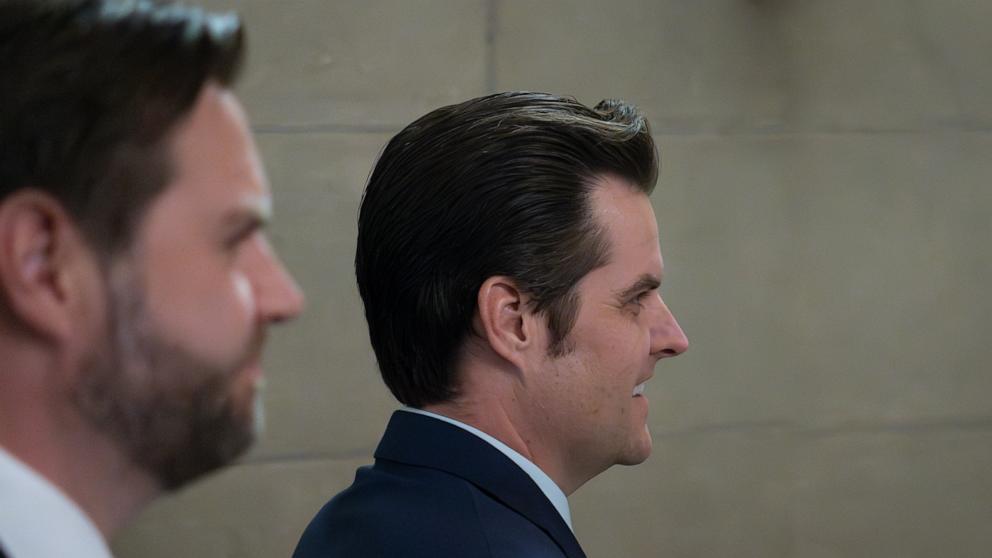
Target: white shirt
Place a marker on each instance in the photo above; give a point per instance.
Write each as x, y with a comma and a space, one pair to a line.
37, 520
543, 481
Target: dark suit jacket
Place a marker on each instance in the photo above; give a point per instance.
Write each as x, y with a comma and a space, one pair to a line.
438, 491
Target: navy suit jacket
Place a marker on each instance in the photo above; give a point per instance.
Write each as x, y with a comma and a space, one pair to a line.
438, 491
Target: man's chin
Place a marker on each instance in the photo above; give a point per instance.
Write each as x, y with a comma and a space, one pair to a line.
209, 449
217, 425
639, 449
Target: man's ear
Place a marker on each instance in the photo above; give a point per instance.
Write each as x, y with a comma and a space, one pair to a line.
42, 255
506, 319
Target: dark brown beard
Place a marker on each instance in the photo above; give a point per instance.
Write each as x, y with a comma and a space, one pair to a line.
169, 410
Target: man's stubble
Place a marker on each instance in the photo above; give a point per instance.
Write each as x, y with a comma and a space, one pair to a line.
173, 413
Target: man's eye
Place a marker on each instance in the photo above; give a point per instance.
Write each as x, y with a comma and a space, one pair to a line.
638, 301
234, 242
238, 238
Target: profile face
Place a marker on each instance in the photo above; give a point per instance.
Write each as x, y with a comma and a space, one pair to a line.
190, 303
592, 396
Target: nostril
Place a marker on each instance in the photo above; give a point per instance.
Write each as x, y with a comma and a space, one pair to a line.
672, 350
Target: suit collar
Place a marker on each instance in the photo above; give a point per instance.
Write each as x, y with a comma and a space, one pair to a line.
427, 442
547, 485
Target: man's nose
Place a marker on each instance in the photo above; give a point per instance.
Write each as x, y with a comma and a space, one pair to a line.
278, 296
667, 337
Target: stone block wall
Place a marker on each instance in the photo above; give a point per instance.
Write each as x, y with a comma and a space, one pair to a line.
825, 209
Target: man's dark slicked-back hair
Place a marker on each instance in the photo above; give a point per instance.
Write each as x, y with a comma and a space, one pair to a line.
89, 92
499, 185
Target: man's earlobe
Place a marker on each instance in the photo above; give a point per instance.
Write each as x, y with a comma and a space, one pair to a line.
503, 315
37, 241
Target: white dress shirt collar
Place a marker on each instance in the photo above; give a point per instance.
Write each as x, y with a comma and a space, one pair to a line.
543, 481
38, 521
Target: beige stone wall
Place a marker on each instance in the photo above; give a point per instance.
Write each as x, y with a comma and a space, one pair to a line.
826, 212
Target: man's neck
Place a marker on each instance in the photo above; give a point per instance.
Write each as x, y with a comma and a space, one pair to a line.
503, 422
81, 462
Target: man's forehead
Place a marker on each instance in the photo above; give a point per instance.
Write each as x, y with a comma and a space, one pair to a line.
627, 221
215, 157
214, 127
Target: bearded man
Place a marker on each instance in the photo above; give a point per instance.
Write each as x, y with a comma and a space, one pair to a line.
136, 281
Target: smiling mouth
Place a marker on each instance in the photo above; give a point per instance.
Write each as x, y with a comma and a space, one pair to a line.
639, 389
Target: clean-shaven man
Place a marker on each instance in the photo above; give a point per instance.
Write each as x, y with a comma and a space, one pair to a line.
509, 264
136, 282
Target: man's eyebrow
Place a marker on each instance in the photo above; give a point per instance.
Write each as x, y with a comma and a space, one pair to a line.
644, 283
249, 215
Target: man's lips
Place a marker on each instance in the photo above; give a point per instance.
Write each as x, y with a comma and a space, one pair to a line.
253, 354
639, 388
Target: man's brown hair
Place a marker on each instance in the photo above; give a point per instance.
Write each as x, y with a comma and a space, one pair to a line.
498, 185
89, 90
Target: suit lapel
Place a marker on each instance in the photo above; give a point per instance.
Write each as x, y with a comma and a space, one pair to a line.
427, 442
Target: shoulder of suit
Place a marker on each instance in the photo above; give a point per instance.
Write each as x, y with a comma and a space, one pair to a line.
415, 512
